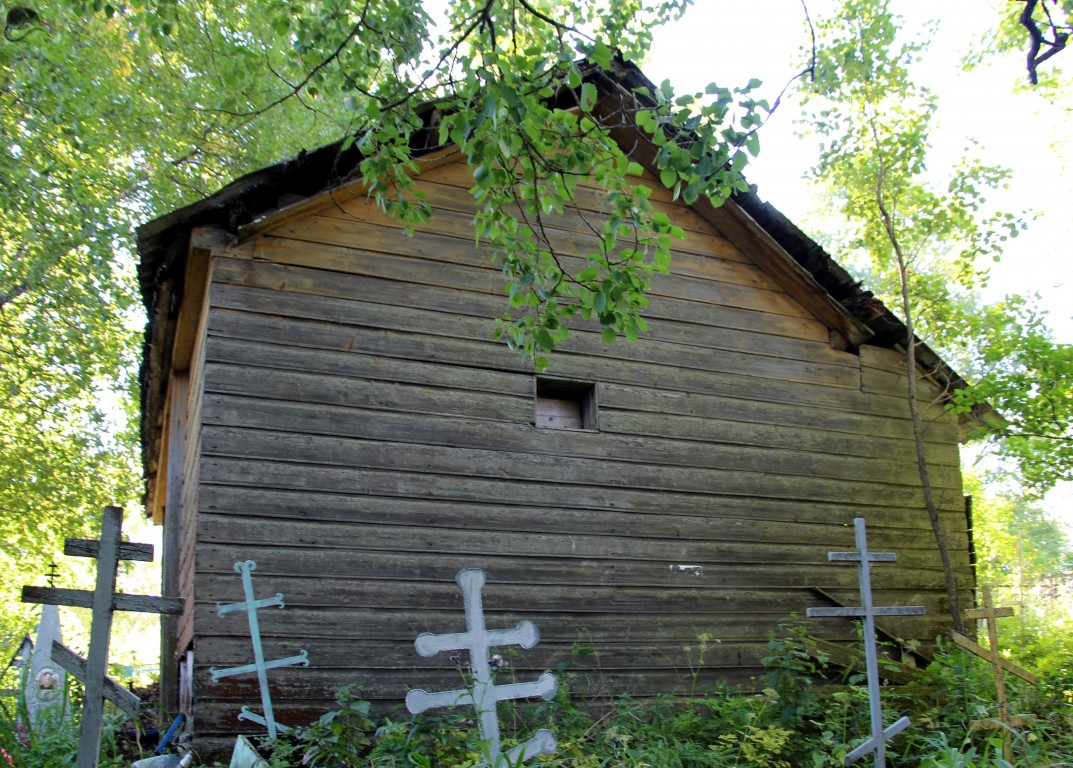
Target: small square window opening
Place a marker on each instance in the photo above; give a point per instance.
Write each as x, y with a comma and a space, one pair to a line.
563, 404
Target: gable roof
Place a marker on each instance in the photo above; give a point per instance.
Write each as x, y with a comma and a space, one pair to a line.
797, 262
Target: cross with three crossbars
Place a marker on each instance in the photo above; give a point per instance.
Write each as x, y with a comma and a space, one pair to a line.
485, 694
876, 743
250, 606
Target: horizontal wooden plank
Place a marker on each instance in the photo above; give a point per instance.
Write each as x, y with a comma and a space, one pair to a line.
587, 196
318, 404
702, 253
707, 407
357, 561
721, 518
471, 488
343, 654
711, 411
360, 625
681, 558
460, 263
361, 315
379, 306
718, 327
649, 604
454, 218
486, 355
461, 430
524, 468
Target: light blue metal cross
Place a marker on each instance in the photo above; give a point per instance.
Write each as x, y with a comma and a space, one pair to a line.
260, 666
484, 694
877, 742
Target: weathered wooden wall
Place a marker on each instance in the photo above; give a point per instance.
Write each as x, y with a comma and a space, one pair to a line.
363, 438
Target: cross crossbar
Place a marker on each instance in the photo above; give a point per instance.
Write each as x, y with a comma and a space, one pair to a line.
302, 658
993, 657
983, 613
245, 605
248, 714
127, 550
80, 598
897, 610
113, 691
872, 557
875, 742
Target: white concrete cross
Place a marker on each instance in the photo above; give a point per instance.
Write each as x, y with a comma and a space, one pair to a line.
877, 742
485, 694
250, 607
108, 551
45, 678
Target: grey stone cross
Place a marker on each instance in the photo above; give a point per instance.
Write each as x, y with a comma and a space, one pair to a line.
250, 606
877, 742
108, 551
484, 695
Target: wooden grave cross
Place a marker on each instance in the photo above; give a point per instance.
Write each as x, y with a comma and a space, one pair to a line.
485, 694
104, 600
989, 613
250, 606
877, 741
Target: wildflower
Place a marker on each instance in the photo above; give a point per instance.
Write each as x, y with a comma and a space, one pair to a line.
6, 756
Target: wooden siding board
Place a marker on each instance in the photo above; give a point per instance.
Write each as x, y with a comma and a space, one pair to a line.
453, 418
602, 565
617, 399
715, 327
319, 540
820, 369
362, 438
722, 517
475, 488
273, 271
492, 355
428, 251
402, 625
791, 480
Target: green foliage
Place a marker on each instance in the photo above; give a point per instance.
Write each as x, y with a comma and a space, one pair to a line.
1027, 556
724, 727
508, 66
1039, 29
875, 124
113, 113
52, 741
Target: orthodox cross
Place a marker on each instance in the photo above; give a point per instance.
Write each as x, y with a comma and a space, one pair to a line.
864, 559
989, 613
250, 605
484, 695
53, 572
104, 600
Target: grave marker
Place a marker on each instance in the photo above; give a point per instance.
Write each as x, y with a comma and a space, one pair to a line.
104, 600
250, 605
864, 559
485, 694
989, 614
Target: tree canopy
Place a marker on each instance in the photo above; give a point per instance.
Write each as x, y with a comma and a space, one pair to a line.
928, 229
114, 113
